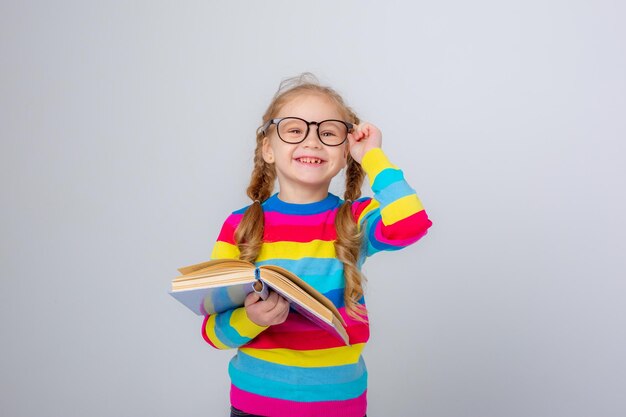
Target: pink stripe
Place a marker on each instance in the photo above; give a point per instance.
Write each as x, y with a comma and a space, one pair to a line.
275, 218
398, 243
256, 404
358, 207
279, 227
405, 231
275, 233
234, 219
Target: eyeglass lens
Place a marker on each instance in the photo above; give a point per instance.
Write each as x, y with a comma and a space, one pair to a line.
330, 132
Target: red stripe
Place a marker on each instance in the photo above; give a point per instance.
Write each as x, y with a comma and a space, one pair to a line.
410, 227
311, 338
227, 234
204, 335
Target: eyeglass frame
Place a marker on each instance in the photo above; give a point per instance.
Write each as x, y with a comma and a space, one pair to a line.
276, 121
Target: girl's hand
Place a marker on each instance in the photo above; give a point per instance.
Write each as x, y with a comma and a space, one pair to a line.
268, 312
363, 138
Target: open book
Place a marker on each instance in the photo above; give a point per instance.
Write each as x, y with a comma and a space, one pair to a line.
223, 284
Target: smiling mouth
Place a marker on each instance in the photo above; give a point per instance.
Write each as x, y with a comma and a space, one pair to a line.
309, 160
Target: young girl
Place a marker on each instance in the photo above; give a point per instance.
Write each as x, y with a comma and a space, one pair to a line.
285, 365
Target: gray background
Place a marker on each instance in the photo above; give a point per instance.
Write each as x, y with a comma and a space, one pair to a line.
127, 135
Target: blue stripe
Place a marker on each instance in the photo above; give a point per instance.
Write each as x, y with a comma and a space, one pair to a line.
373, 245
393, 192
380, 246
226, 333
385, 177
336, 297
274, 203
323, 274
293, 391
241, 210
326, 283
258, 368
307, 266
371, 250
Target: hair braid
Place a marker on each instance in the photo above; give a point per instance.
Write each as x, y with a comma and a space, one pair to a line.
249, 233
348, 243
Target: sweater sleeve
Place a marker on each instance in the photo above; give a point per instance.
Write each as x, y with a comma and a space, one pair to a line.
232, 328
394, 218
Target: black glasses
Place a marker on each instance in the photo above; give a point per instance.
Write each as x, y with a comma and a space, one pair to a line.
294, 130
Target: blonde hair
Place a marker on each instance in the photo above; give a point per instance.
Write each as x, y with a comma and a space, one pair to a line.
249, 233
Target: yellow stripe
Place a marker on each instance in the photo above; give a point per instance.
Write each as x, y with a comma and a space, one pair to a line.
296, 250
401, 209
374, 162
245, 327
373, 205
223, 250
210, 332
309, 358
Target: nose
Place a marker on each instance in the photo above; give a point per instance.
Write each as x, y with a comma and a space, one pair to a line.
312, 139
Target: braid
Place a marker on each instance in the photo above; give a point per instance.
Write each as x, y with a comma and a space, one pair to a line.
348, 243
249, 233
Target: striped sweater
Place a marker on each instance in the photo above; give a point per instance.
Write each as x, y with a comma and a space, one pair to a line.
295, 368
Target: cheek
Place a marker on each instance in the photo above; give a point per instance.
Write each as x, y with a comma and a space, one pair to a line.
340, 157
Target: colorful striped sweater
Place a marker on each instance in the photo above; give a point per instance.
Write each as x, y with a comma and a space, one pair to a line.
295, 368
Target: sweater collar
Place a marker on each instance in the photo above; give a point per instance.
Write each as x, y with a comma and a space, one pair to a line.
276, 204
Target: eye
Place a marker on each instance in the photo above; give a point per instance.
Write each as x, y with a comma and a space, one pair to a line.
328, 133
294, 131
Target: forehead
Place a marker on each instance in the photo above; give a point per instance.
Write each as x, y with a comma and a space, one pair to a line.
312, 107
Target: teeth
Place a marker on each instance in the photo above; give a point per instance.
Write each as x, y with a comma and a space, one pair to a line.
310, 160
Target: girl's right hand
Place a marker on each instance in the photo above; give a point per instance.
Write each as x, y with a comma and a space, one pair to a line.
273, 310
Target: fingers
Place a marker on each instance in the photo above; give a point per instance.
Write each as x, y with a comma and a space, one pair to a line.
273, 310
358, 133
362, 131
280, 311
271, 302
251, 298
277, 305
276, 309
367, 134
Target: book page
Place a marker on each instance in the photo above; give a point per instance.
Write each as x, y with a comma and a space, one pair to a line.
302, 287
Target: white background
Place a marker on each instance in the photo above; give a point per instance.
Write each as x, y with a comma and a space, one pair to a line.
127, 131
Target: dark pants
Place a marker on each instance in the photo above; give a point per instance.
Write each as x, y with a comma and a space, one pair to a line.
234, 412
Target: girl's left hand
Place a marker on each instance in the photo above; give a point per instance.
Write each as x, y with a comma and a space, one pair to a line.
364, 137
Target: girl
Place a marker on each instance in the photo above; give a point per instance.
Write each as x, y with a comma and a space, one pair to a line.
285, 366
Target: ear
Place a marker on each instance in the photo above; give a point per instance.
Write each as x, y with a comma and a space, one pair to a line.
268, 153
